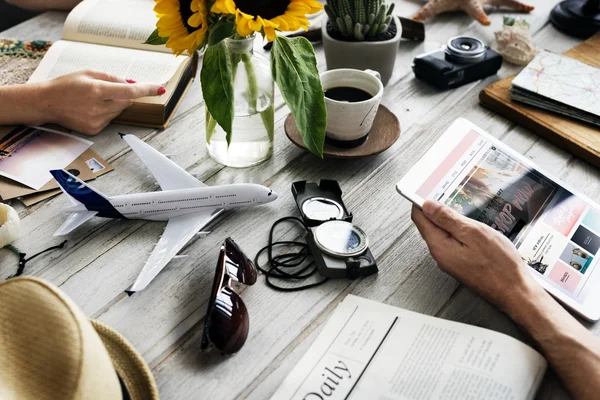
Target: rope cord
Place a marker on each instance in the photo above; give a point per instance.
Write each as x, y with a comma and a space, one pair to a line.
23, 260
290, 266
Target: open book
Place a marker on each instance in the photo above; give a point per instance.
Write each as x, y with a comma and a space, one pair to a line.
368, 350
108, 36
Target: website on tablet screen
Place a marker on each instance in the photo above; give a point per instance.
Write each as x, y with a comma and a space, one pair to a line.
556, 232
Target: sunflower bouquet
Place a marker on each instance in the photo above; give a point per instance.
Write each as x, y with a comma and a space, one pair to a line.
187, 26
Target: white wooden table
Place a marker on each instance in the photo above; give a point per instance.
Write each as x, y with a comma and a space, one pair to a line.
165, 321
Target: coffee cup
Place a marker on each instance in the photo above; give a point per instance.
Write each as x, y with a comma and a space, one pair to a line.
352, 99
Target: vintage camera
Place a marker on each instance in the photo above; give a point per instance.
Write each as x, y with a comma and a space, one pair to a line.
339, 248
464, 59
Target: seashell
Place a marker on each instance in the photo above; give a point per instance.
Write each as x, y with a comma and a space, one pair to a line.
515, 43
9, 224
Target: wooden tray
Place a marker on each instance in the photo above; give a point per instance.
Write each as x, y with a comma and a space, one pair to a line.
383, 134
577, 137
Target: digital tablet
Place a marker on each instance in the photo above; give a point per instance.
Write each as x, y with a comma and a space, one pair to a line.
555, 228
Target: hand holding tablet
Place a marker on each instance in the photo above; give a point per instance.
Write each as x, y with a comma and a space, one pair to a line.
553, 227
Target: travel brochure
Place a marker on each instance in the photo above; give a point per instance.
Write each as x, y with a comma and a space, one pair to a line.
556, 232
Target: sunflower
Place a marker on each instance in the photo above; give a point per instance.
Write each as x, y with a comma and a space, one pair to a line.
184, 22
267, 15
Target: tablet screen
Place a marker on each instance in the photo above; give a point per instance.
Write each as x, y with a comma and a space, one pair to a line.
556, 232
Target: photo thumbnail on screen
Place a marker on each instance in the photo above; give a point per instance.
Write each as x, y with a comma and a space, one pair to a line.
503, 193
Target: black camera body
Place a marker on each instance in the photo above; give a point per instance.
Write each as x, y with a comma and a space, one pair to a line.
340, 249
464, 59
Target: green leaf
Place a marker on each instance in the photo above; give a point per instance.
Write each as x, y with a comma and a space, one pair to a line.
294, 68
217, 86
223, 29
155, 39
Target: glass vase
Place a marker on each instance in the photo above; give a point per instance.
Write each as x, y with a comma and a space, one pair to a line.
253, 124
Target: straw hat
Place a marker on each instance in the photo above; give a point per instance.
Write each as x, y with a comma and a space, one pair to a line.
50, 350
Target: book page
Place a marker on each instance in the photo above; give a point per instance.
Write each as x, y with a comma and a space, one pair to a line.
120, 23
65, 57
370, 350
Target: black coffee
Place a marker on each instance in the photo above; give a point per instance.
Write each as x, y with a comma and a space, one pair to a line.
346, 93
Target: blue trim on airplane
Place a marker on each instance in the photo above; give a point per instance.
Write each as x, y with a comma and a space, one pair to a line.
84, 194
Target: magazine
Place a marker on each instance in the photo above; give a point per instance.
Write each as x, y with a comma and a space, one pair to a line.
369, 350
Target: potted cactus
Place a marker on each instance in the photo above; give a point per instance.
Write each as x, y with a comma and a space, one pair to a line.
361, 34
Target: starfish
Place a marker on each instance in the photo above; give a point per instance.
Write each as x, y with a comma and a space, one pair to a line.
472, 7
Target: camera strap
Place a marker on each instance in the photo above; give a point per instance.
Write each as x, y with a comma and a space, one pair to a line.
294, 266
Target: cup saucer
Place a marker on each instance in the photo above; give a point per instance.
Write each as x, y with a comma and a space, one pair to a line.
383, 134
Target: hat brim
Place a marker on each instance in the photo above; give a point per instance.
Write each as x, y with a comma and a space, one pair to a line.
131, 368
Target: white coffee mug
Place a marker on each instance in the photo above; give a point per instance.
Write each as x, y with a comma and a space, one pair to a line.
351, 121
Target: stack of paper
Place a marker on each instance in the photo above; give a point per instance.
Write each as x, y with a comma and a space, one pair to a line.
560, 84
28, 154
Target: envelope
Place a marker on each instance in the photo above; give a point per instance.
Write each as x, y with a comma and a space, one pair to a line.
91, 162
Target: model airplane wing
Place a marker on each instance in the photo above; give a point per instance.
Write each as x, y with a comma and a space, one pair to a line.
168, 174
73, 221
178, 232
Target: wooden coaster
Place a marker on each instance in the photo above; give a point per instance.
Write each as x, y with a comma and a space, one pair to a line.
383, 134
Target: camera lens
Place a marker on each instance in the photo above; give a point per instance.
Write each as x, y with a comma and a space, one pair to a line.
465, 49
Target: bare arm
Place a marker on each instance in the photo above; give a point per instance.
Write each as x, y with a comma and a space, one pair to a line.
83, 101
44, 5
470, 252
567, 345
19, 104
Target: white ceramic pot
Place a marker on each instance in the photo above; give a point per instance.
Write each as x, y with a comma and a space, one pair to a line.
378, 56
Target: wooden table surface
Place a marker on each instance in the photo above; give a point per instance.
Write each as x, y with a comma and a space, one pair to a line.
164, 322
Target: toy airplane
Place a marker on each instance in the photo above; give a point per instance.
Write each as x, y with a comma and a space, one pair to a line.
186, 203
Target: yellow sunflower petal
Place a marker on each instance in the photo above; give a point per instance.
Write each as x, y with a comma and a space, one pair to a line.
270, 33
165, 7
242, 28
183, 36
195, 20
255, 24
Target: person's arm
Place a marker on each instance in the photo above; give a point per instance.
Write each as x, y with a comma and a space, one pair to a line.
83, 101
487, 262
44, 5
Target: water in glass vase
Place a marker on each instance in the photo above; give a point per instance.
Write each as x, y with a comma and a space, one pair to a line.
253, 123
251, 143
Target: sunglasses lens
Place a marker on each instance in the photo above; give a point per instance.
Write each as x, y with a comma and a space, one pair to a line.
228, 325
238, 265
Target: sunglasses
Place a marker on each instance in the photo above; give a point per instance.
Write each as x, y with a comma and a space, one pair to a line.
226, 323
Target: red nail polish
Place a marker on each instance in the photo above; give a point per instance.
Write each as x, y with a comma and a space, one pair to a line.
161, 91
129, 81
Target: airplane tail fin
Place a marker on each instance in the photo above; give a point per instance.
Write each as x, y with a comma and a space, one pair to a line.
73, 221
76, 190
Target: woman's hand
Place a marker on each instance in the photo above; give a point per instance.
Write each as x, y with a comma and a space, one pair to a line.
476, 255
87, 101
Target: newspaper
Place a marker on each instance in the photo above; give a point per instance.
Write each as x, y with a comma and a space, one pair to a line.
369, 350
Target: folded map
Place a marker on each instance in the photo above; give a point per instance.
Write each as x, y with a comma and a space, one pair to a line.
560, 84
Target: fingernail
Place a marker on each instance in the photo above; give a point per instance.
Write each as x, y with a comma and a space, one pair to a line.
161, 91
429, 207
129, 81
